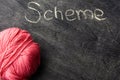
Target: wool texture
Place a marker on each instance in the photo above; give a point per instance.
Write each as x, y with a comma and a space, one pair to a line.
19, 54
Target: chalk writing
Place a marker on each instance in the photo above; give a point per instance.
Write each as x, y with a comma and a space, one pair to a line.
69, 14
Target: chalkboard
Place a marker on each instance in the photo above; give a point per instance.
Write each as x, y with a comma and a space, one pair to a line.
73, 47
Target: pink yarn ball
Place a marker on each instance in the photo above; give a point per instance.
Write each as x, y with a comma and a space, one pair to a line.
19, 54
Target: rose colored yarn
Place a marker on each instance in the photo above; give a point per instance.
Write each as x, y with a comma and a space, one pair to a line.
19, 55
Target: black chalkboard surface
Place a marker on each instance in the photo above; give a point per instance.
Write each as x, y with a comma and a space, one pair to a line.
79, 39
